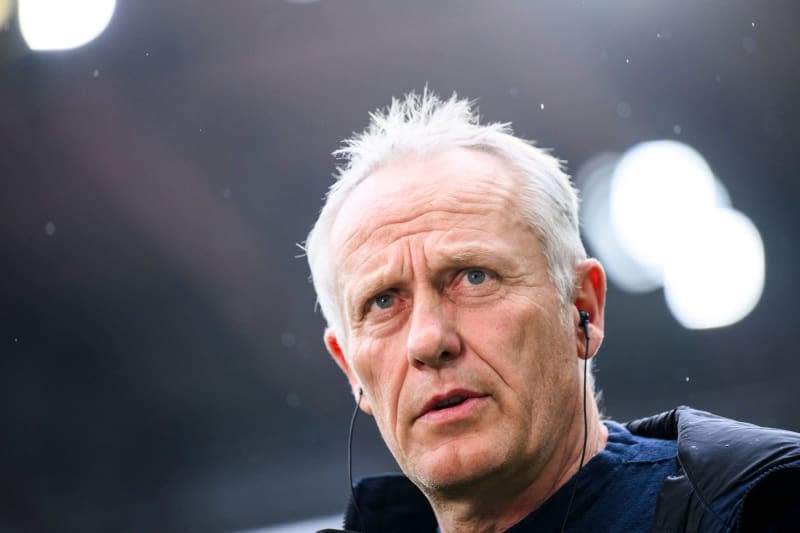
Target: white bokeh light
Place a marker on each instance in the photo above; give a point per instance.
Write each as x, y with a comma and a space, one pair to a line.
658, 188
716, 277
594, 178
657, 216
60, 25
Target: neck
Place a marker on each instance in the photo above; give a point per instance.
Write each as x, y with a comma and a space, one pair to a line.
494, 505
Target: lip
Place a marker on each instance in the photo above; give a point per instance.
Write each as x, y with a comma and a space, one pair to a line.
471, 399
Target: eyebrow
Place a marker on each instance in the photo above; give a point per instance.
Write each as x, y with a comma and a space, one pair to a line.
446, 258
365, 288
474, 254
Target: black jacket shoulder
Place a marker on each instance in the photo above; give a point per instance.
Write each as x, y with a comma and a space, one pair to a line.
731, 476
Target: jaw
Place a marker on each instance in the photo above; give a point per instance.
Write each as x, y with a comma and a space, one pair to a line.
453, 467
497, 498
458, 456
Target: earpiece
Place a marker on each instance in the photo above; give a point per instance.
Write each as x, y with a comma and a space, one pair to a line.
584, 322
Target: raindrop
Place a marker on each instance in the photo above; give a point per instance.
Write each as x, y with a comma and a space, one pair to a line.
658, 35
677, 129
624, 110
753, 24
627, 61
49, 228
293, 400
96, 73
541, 106
687, 379
16, 339
147, 54
287, 339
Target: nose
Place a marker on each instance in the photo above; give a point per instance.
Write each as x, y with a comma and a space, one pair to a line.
432, 337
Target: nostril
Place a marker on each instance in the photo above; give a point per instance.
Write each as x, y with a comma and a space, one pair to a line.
432, 339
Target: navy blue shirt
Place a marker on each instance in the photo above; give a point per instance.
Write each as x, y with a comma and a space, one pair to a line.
616, 489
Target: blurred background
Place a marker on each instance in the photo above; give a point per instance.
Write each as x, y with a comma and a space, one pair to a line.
162, 366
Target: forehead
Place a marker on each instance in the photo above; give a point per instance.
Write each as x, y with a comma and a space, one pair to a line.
457, 181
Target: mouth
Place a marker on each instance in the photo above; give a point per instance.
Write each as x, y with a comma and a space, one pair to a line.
450, 400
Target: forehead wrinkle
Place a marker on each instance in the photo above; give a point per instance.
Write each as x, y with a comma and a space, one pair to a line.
490, 192
480, 191
388, 234
364, 232
473, 254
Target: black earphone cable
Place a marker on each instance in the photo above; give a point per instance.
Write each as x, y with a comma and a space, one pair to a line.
585, 424
350, 453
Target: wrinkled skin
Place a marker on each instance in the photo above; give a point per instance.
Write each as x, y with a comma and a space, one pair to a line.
444, 288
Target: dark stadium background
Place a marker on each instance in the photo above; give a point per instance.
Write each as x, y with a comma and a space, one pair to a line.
162, 366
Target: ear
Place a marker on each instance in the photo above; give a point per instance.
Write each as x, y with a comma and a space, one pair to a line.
335, 349
590, 296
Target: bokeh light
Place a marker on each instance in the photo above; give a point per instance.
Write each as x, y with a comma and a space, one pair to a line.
59, 25
718, 276
5, 12
658, 188
658, 217
594, 179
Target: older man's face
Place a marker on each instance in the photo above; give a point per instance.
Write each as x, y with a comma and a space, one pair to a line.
453, 326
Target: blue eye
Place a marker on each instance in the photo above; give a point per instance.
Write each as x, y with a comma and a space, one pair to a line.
476, 277
384, 301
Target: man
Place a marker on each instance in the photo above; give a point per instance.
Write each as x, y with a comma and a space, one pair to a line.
464, 311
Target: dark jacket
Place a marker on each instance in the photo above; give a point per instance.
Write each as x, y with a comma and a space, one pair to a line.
729, 476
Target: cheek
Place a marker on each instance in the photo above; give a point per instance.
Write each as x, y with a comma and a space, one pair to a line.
520, 340
498, 332
380, 365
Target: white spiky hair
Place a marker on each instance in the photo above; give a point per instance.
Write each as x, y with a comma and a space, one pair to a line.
419, 124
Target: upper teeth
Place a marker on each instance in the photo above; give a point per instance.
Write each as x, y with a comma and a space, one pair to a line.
450, 401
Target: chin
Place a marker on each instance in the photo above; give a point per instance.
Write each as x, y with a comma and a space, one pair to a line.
454, 468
